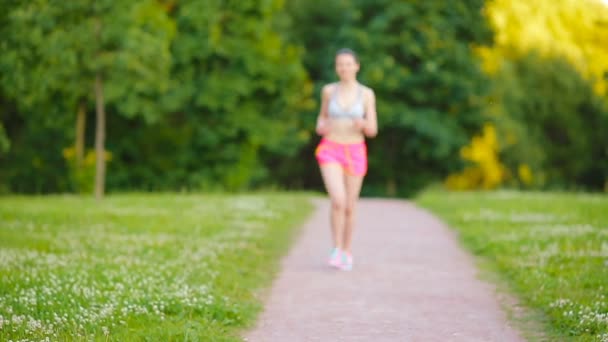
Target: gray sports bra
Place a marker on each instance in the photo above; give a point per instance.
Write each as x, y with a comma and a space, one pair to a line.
356, 110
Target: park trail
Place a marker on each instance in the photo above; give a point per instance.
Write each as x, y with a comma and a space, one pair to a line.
411, 281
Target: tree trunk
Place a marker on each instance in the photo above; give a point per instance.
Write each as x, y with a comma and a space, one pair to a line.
100, 136
80, 130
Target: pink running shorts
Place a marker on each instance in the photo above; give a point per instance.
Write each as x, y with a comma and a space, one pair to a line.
352, 157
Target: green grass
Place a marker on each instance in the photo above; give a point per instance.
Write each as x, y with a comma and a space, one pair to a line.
551, 249
147, 267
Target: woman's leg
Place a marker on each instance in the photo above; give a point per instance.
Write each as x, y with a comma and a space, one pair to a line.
353, 189
333, 177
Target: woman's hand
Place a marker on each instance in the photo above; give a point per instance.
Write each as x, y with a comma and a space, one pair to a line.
322, 128
359, 124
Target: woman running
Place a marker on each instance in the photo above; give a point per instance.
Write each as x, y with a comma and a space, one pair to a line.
346, 117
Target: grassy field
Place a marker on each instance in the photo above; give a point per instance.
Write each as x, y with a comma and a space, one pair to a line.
160, 267
551, 249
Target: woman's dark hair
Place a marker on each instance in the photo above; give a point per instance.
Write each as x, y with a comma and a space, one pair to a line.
347, 51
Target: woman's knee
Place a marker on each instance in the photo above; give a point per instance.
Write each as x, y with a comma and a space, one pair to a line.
349, 209
338, 204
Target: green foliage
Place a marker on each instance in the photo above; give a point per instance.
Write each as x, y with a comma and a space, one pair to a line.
55, 49
430, 86
417, 58
33, 163
236, 92
82, 176
4, 142
549, 248
549, 98
552, 120
210, 94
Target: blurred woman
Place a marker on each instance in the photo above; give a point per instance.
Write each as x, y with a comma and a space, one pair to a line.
346, 117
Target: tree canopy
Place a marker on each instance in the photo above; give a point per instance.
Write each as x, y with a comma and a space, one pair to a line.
223, 94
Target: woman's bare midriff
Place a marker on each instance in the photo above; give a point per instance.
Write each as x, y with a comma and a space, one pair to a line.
343, 131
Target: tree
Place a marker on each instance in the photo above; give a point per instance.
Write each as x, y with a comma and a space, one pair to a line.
113, 52
416, 55
236, 92
576, 30
549, 95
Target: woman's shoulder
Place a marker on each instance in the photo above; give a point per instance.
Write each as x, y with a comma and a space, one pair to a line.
328, 89
367, 90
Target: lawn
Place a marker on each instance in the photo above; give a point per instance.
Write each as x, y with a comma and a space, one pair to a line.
156, 267
551, 249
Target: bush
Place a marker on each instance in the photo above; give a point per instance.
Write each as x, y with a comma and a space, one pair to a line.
552, 120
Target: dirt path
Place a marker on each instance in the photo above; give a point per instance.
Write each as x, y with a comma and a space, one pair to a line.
410, 282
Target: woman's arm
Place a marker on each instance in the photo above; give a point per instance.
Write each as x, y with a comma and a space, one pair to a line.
369, 125
322, 126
